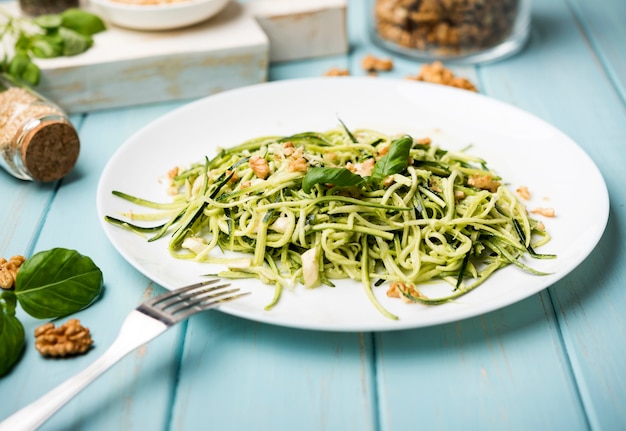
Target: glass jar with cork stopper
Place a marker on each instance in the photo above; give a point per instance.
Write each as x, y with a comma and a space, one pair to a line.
37, 140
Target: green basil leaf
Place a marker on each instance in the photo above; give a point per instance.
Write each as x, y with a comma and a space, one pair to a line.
31, 74
394, 162
22, 68
22, 44
18, 64
57, 282
50, 21
340, 177
73, 42
47, 46
11, 334
82, 22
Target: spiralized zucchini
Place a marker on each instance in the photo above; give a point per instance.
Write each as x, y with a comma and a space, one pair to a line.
315, 207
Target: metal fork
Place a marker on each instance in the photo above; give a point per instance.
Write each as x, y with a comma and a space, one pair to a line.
143, 324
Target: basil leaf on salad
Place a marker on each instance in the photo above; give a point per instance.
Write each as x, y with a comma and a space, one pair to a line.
340, 177
395, 161
56, 283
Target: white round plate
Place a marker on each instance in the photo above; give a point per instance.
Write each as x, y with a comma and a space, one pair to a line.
167, 16
523, 149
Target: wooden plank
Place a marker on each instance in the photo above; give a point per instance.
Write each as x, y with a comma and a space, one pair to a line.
507, 369
586, 106
127, 67
244, 375
137, 392
301, 29
503, 370
604, 25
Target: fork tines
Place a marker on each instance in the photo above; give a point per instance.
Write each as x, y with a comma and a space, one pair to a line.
179, 304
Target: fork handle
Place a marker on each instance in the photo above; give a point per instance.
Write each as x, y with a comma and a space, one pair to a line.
136, 331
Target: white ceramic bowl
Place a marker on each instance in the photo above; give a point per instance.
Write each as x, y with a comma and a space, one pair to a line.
158, 17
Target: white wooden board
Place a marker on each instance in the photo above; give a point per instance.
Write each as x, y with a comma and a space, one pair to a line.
300, 29
126, 67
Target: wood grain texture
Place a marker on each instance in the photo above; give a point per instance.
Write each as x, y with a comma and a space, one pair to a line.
128, 68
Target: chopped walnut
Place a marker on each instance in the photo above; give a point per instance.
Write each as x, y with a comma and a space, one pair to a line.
335, 71
364, 169
484, 182
382, 150
171, 174
396, 288
259, 166
288, 148
546, 212
8, 271
372, 64
69, 339
233, 176
523, 192
298, 165
435, 184
436, 73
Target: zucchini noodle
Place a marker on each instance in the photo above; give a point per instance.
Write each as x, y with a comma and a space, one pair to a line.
316, 207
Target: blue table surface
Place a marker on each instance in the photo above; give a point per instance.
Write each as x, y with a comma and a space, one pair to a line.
555, 361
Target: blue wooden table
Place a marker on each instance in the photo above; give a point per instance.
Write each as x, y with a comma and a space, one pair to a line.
555, 361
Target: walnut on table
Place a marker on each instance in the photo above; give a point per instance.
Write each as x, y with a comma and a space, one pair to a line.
437, 73
335, 71
8, 271
69, 339
371, 63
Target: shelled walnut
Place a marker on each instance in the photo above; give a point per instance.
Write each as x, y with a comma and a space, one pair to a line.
335, 71
8, 271
437, 73
371, 63
69, 339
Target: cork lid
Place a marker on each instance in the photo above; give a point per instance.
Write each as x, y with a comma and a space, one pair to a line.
50, 150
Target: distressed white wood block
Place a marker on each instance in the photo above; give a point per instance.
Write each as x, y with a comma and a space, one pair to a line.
126, 67
299, 29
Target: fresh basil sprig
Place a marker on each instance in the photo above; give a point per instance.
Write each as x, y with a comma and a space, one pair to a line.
50, 284
47, 36
11, 333
394, 162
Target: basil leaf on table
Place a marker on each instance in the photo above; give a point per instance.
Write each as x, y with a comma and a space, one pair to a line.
82, 22
74, 43
11, 333
56, 283
49, 21
47, 45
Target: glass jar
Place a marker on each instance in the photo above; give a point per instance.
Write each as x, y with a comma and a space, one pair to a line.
37, 140
43, 7
463, 31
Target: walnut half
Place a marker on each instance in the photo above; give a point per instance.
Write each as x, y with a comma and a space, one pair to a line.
69, 339
8, 271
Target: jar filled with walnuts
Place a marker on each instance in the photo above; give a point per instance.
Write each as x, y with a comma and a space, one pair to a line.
464, 31
37, 140
44, 7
